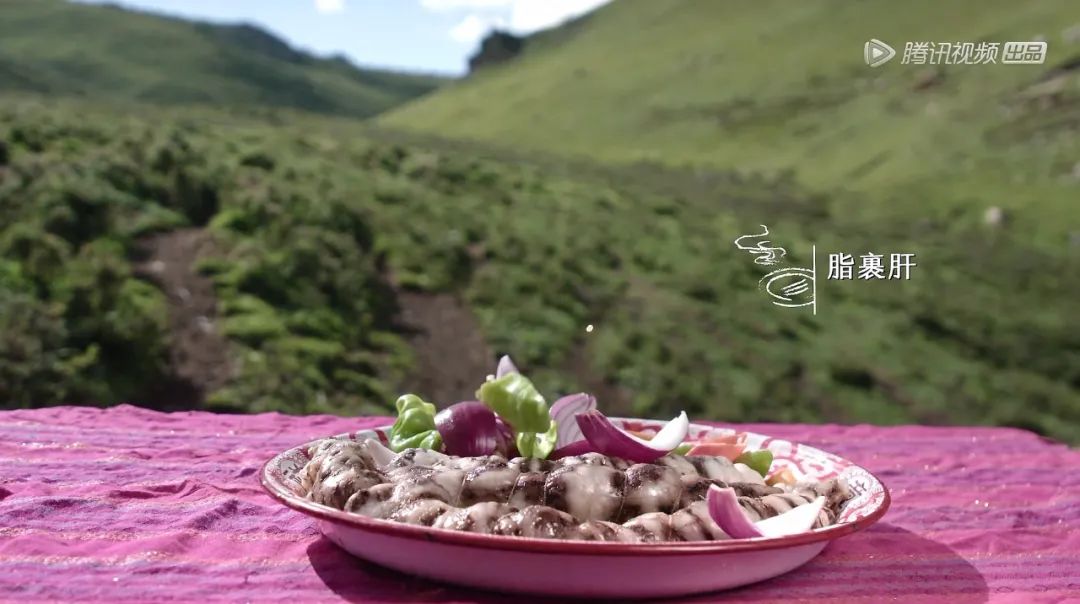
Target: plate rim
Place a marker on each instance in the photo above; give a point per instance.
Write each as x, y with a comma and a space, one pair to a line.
558, 546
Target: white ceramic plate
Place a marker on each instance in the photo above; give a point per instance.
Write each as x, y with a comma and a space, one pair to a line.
585, 568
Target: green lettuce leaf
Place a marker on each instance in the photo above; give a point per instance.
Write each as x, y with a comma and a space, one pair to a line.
415, 425
537, 444
760, 461
683, 449
514, 398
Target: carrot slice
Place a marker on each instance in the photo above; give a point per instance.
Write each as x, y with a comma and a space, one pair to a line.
727, 450
785, 476
730, 439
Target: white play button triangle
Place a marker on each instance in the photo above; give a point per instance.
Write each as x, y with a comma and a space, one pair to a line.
876, 52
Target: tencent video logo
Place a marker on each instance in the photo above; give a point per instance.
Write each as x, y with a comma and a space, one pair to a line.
1032, 52
877, 53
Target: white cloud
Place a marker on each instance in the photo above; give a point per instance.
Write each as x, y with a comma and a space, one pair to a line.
527, 16
474, 27
520, 16
442, 6
328, 7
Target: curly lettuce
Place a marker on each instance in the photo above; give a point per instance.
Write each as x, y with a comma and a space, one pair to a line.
517, 401
415, 425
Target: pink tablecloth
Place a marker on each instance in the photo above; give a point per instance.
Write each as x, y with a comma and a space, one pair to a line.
129, 504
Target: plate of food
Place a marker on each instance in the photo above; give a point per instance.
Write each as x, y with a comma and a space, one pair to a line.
511, 494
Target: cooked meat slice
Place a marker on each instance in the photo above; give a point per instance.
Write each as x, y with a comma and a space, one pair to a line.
477, 518
620, 464
528, 490
467, 464
374, 502
579, 497
417, 482
693, 523
749, 475
318, 447
531, 464
755, 508
423, 512
753, 489
650, 488
711, 467
599, 530
334, 454
586, 491
595, 459
719, 468
782, 502
835, 491
759, 508
679, 463
654, 526
416, 457
695, 488
337, 487
535, 521
493, 481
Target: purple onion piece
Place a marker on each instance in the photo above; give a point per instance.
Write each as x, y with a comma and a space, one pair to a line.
506, 366
468, 429
575, 448
504, 435
565, 410
610, 440
725, 511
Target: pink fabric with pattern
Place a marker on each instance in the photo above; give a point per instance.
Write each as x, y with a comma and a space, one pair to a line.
126, 504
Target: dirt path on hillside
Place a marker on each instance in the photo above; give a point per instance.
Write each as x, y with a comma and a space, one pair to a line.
198, 352
452, 356
611, 398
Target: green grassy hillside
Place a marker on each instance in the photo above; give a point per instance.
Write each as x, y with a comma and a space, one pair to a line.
324, 231
323, 236
774, 87
976, 169
103, 52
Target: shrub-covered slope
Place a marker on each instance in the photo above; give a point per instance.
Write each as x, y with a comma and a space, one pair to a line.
320, 226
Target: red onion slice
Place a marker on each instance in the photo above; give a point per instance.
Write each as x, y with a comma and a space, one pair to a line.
506, 366
672, 434
504, 439
726, 512
794, 521
606, 438
468, 429
563, 412
575, 448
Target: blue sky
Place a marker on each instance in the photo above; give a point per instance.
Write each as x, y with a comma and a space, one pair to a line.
417, 35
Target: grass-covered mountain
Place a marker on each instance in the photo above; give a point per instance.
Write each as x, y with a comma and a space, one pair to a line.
770, 87
975, 168
103, 52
